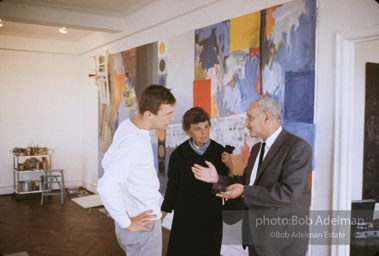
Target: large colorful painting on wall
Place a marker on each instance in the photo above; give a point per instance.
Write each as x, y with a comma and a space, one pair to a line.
130, 72
268, 53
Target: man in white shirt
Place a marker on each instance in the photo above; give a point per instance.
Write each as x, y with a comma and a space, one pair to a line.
129, 188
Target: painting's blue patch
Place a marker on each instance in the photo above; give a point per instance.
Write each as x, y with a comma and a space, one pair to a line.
210, 38
295, 52
298, 53
248, 84
299, 97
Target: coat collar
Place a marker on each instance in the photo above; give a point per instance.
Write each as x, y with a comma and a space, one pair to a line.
187, 150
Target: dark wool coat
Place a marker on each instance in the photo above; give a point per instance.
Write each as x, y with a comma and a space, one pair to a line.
197, 223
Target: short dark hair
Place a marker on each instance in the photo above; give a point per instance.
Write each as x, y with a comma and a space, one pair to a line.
194, 115
153, 97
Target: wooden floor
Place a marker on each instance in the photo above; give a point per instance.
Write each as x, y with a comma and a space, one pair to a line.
64, 230
56, 230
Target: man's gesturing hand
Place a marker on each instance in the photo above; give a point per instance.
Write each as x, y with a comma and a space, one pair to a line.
206, 174
233, 191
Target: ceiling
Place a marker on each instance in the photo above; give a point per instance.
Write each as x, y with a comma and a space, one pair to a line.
43, 18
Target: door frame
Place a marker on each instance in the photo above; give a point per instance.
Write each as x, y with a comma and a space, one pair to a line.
343, 123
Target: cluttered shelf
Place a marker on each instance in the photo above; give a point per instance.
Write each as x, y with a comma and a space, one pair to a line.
28, 165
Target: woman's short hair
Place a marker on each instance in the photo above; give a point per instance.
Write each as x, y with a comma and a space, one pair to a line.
153, 97
195, 115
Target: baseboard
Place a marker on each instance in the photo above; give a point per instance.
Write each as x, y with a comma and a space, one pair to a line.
7, 190
89, 186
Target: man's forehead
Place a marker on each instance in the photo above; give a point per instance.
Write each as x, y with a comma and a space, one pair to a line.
253, 109
163, 108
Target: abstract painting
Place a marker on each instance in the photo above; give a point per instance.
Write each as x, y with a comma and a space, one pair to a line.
270, 53
223, 68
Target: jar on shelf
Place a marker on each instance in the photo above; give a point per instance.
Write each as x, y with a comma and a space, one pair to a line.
21, 167
45, 163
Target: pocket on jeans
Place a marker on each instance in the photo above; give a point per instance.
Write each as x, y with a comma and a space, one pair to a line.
150, 226
132, 237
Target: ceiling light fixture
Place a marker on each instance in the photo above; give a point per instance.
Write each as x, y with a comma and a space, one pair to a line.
63, 30
1, 23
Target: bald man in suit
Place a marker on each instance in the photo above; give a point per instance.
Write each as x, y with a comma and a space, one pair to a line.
274, 185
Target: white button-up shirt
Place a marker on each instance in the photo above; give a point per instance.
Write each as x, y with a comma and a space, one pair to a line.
270, 140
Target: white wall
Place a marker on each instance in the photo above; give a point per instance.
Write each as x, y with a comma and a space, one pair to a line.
40, 105
334, 16
89, 121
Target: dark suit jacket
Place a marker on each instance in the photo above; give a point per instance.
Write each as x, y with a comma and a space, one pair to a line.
280, 196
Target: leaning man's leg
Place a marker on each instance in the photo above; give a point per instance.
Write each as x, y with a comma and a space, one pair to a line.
142, 242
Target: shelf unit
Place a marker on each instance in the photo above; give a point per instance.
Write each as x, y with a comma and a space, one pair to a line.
28, 181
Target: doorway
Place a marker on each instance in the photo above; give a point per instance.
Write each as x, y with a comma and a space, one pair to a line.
345, 157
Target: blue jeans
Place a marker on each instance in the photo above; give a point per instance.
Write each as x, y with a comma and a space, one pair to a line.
141, 243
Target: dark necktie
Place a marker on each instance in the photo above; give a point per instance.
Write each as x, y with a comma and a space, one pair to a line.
263, 144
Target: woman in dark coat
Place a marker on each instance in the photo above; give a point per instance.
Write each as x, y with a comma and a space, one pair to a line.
197, 223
